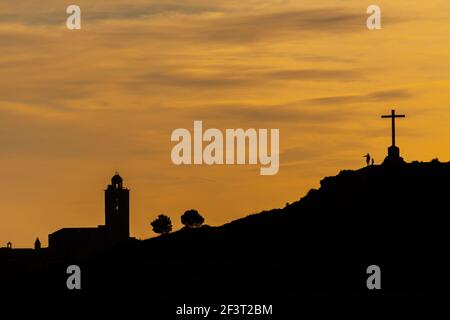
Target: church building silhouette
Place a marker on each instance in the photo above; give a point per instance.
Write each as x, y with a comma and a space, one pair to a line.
82, 241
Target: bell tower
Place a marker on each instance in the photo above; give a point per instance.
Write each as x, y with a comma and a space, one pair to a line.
117, 210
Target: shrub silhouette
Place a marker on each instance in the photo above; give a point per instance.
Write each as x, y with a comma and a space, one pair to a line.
192, 219
435, 161
162, 224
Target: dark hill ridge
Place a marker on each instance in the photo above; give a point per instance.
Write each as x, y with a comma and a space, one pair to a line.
396, 217
373, 200
393, 216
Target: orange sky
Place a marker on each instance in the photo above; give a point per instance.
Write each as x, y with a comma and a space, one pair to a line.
77, 105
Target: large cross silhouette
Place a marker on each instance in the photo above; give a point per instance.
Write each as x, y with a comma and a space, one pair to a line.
393, 116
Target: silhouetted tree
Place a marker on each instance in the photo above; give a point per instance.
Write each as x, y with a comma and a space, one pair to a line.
435, 160
192, 219
162, 224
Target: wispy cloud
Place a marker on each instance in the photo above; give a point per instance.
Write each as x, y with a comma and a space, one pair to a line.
283, 113
316, 74
237, 77
55, 13
214, 25
249, 28
387, 95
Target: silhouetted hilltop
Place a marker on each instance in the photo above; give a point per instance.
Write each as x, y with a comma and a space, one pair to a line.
412, 197
395, 216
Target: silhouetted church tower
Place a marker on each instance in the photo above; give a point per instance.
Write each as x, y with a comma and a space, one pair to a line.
85, 241
117, 210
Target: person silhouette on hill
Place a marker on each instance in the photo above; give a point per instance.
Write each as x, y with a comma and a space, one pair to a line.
372, 161
367, 156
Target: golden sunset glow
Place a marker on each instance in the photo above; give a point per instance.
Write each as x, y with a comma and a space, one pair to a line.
78, 105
